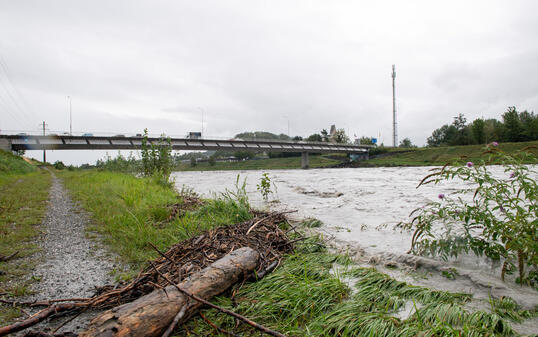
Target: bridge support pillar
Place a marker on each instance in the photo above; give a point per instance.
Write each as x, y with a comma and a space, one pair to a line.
5, 144
304, 160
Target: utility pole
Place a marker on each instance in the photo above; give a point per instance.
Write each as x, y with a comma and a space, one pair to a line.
44, 152
70, 117
394, 126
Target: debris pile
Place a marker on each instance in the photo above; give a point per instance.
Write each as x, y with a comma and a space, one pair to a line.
262, 233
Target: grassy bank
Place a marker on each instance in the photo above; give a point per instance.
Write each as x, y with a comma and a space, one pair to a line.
23, 199
440, 155
260, 164
312, 292
11, 164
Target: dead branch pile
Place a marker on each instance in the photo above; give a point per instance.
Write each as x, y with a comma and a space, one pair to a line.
261, 233
191, 256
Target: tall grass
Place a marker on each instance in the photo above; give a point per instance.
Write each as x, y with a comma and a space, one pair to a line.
23, 202
12, 164
132, 212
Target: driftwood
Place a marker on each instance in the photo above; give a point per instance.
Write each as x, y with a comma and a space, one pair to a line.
152, 314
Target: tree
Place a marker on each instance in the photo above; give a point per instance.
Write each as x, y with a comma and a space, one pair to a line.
438, 136
324, 135
366, 141
529, 123
212, 161
477, 128
297, 138
512, 125
315, 137
193, 161
242, 155
156, 158
406, 142
341, 137
493, 130
463, 135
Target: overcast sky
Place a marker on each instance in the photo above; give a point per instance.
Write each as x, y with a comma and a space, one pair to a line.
255, 65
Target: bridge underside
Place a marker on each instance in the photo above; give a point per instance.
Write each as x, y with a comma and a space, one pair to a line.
23, 142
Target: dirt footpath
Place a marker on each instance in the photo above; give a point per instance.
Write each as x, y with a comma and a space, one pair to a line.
70, 265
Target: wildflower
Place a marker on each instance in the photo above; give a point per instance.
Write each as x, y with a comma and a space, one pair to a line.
441, 196
513, 174
502, 209
470, 164
494, 144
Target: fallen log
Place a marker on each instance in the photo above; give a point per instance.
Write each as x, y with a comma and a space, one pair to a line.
152, 314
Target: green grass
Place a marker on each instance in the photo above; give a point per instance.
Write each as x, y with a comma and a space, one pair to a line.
22, 208
265, 164
132, 212
304, 298
12, 164
442, 155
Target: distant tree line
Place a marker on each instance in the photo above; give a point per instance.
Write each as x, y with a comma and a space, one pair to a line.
514, 127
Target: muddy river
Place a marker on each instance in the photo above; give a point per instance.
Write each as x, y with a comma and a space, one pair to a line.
356, 205
359, 208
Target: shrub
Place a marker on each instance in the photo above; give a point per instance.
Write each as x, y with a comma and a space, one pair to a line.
500, 222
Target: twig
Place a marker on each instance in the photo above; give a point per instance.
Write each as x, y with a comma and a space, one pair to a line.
226, 311
179, 316
161, 253
6, 258
256, 223
44, 303
219, 329
38, 317
267, 270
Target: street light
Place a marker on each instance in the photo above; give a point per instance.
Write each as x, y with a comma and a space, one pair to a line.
70, 117
202, 133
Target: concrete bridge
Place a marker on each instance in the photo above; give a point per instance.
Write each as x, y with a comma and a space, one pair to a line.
67, 142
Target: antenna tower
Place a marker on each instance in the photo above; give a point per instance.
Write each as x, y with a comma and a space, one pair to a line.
394, 125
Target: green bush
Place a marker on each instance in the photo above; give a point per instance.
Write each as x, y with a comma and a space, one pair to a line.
500, 222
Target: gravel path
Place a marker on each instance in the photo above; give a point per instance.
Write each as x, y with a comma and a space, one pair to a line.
71, 264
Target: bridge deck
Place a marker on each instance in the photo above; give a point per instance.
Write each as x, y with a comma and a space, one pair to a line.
27, 142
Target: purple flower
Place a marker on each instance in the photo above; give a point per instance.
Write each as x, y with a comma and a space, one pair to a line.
502, 209
513, 174
441, 196
470, 164
495, 144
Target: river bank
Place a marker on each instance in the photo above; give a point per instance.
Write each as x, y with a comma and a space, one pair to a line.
380, 157
312, 292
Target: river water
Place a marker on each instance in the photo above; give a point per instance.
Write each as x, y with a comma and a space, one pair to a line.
356, 205
360, 207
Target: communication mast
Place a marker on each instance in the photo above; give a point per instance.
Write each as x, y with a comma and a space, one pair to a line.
394, 126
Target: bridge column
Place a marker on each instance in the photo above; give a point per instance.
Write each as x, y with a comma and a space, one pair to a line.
304, 160
5, 144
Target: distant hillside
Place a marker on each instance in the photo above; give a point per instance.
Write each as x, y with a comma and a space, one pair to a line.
10, 163
440, 155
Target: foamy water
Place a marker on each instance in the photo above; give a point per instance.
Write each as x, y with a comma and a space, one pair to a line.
359, 205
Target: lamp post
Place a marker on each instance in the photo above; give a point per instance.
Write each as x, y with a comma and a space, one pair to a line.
70, 117
202, 133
